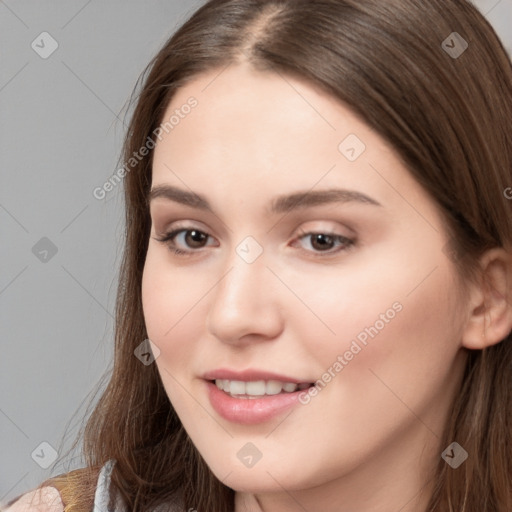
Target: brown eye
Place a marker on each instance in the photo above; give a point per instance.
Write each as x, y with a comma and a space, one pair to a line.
195, 239
321, 242
328, 243
184, 241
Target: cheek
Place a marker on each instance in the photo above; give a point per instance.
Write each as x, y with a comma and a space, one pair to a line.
170, 302
409, 370
402, 325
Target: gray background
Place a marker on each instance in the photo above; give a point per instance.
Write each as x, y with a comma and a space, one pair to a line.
61, 126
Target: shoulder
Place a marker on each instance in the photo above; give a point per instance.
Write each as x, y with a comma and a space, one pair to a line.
87, 488
45, 499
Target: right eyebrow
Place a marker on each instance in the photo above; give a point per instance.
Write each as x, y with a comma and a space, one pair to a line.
180, 196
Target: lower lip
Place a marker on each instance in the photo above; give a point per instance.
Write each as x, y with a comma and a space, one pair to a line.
248, 411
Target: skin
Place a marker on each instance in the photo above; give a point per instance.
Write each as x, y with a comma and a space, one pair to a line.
368, 440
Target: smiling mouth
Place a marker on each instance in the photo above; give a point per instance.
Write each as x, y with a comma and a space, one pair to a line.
258, 388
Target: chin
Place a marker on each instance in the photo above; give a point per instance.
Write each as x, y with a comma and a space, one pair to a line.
261, 478
256, 483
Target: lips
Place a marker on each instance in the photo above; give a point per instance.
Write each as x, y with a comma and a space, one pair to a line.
252, 396
250, 375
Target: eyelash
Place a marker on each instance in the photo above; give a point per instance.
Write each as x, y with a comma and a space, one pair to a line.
168, 239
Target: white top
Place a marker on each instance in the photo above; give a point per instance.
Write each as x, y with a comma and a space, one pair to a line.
101, 497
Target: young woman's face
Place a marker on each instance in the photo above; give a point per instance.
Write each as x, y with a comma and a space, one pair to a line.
348, 286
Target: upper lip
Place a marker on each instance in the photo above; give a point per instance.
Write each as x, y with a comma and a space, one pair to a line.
250, 374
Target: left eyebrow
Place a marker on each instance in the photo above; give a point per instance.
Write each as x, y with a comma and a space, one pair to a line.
307, 199
280, 204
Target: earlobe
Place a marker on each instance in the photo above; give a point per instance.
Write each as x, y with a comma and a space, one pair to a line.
490, 317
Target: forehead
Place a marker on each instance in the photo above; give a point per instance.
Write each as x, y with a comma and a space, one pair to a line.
265, 112
259, 131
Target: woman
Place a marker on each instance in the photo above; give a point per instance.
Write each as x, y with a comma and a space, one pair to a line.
319, 247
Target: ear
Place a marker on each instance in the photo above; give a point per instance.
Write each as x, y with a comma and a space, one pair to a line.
490, 313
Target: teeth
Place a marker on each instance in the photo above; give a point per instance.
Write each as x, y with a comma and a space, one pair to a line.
274, 387
237, 387
257, 388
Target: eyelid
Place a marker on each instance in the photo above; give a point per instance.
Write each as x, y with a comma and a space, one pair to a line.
349, 243
169, 236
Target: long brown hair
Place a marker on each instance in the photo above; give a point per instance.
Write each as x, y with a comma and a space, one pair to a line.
448, 117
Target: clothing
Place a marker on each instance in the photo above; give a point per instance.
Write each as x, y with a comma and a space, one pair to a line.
101, 497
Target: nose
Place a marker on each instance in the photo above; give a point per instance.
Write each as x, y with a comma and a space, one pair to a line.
245, 304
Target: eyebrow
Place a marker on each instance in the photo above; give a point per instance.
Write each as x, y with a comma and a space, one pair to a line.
280, 204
